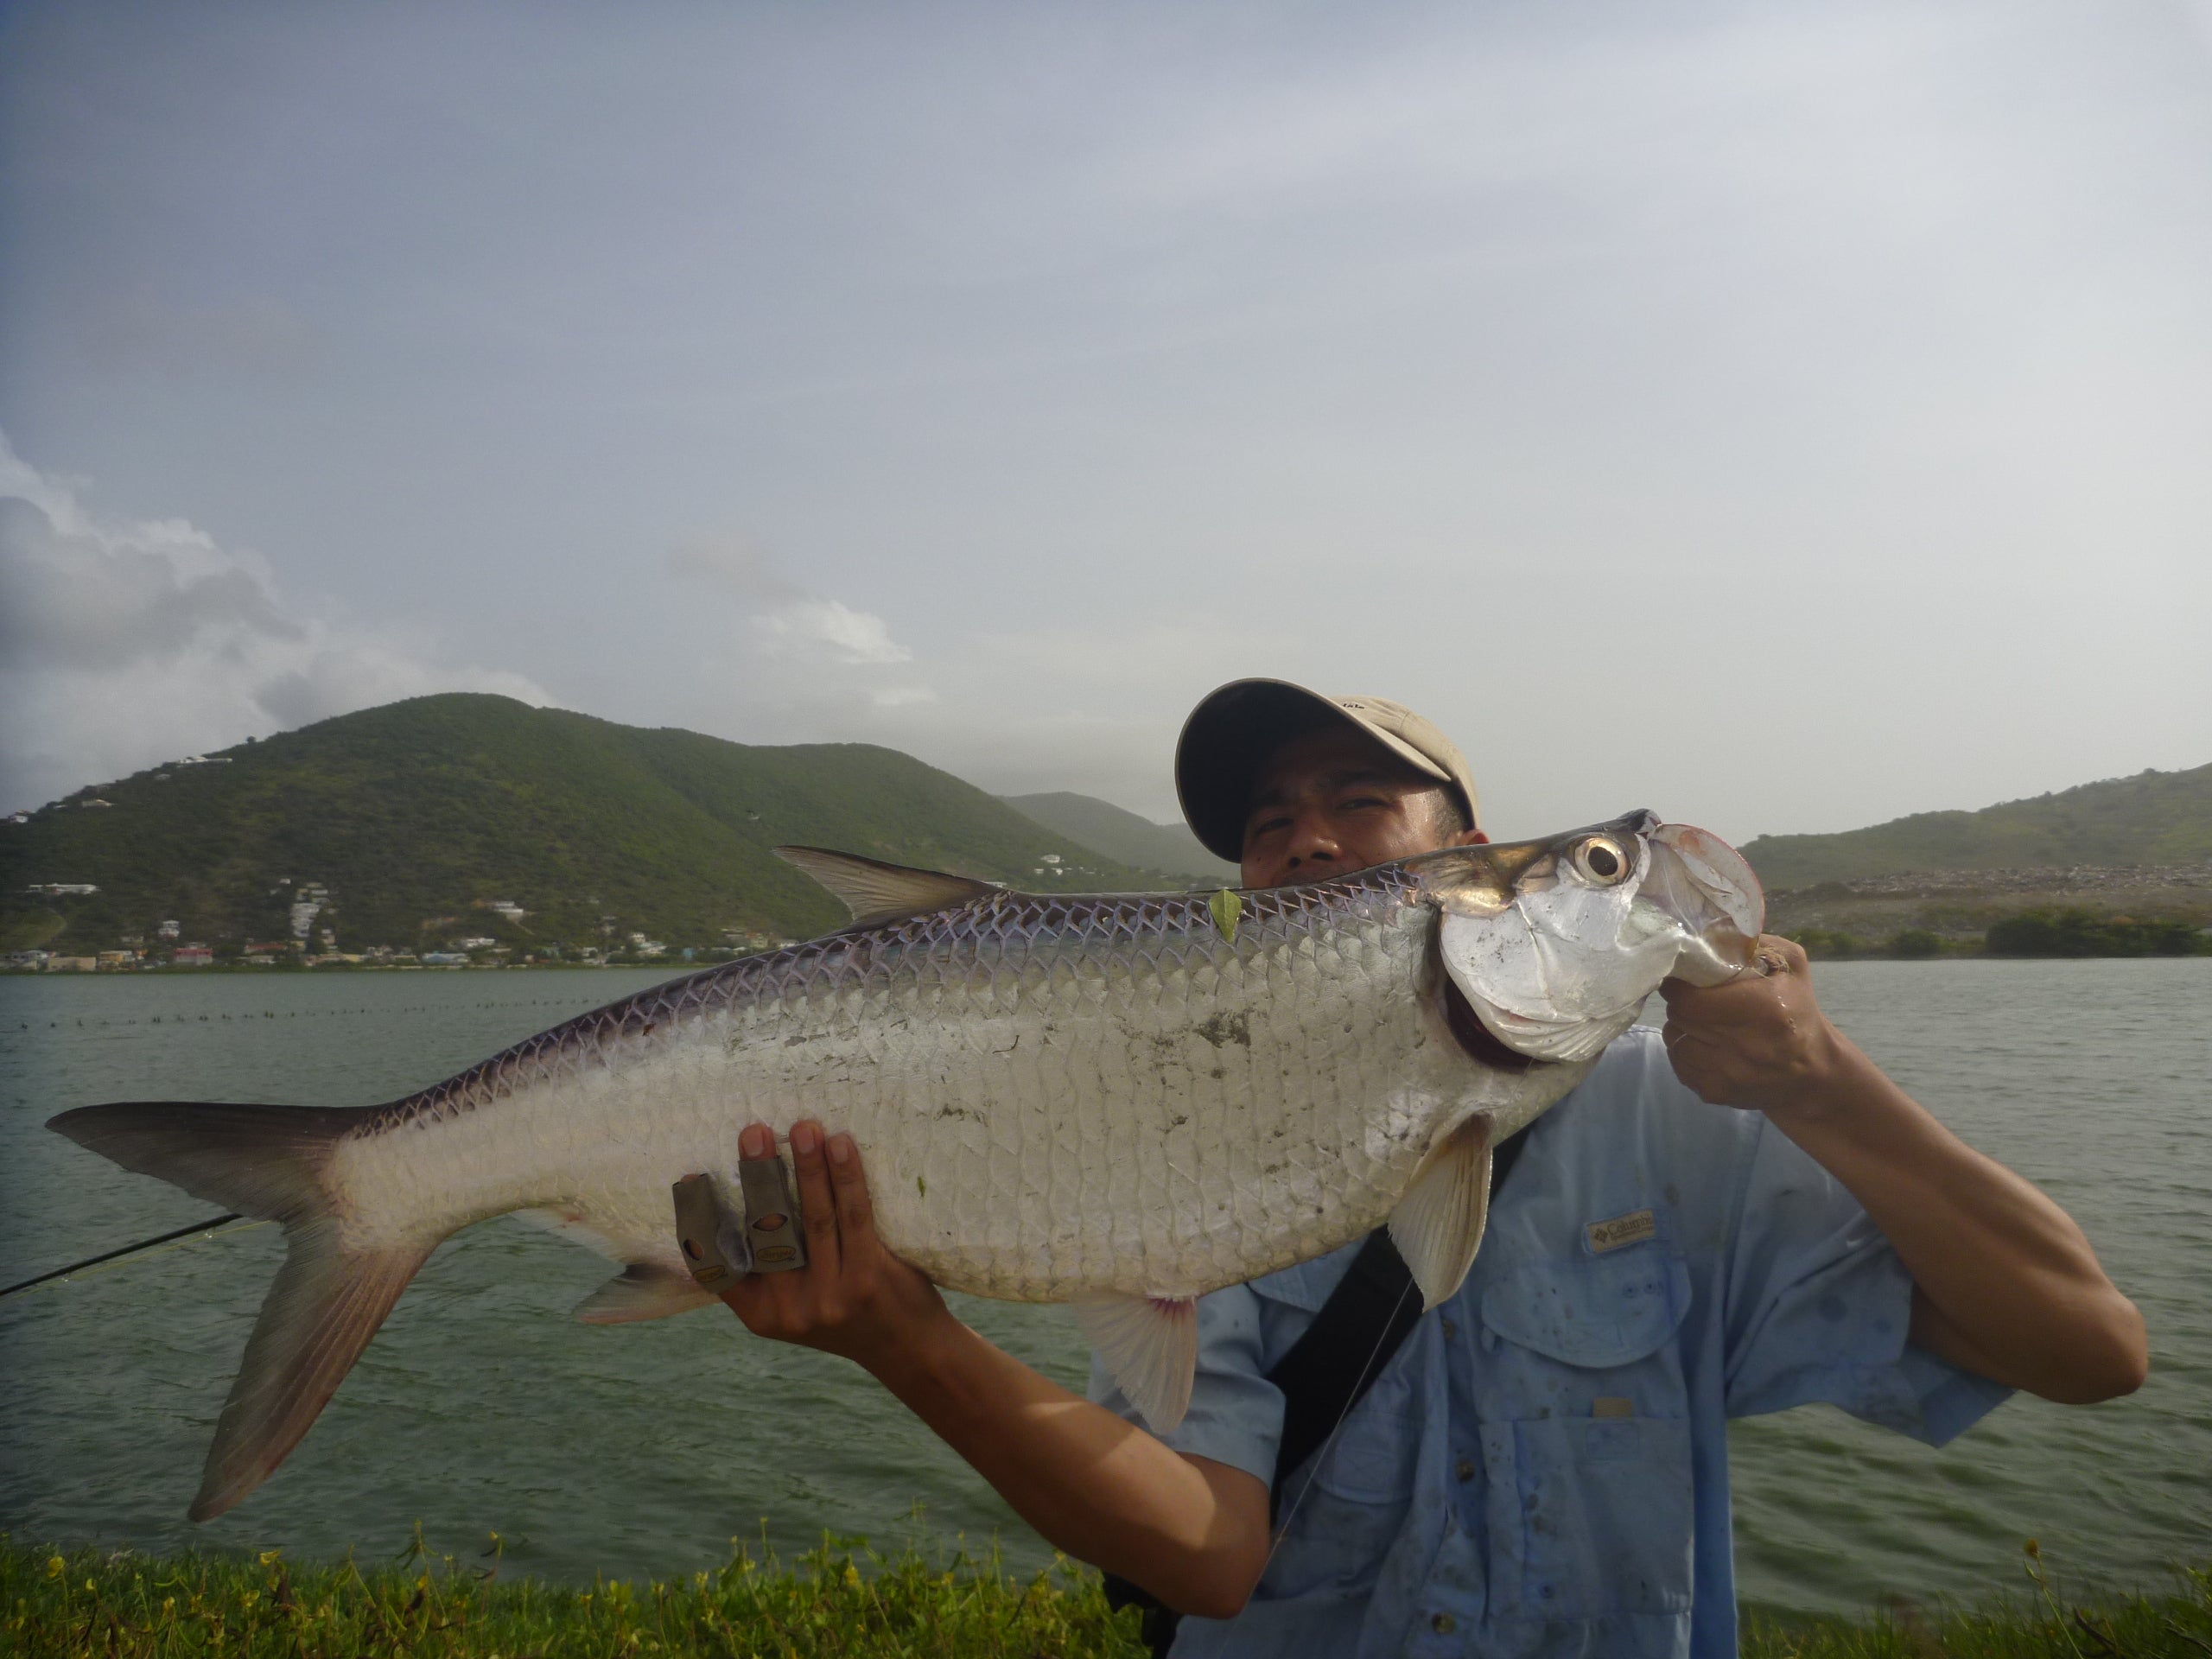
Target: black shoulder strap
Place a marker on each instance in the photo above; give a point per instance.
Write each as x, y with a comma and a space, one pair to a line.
1328, 1371
1366, 1319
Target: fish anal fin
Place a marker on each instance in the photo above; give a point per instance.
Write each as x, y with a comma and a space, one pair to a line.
643, 1290
875, 891
1438, 1225
326, 1303
1149, 1345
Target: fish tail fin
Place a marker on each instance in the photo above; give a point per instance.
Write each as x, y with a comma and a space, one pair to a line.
328, 1299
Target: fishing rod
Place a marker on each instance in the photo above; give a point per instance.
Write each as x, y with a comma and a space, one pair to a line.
128, 1249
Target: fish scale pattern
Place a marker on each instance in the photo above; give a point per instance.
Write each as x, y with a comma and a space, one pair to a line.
1055, 1096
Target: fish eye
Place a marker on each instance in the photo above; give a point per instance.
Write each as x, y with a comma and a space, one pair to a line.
1601, 860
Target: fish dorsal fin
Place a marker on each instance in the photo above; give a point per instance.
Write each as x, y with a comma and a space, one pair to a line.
1438, 1224
875, 891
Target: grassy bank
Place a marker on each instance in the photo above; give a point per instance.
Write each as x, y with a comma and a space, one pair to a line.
835, 1601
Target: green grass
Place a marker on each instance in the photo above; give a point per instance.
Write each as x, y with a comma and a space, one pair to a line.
2036, 1624
838, 1600
842, 1599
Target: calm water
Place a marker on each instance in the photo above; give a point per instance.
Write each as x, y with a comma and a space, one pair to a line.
646, 1449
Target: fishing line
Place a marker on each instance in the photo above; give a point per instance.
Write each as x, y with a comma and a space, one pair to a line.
1321, 1457
128, 1249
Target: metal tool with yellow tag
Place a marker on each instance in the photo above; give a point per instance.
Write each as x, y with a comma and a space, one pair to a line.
722, 1242
772, 1229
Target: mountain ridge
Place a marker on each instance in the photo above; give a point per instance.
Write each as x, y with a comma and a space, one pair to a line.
1123, 835
408, 823
466, 816
2151, 819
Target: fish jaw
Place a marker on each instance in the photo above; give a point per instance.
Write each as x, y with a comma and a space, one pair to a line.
1712, 893
1557, 943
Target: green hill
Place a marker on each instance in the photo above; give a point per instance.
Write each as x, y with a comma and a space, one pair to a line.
2152, 818
418, 816
1124, 835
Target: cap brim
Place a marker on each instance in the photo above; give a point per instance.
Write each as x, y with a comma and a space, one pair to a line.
1232, 734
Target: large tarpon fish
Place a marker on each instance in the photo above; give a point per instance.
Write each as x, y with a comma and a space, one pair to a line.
1119, 1101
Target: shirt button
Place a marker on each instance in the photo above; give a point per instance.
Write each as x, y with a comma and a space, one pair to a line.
1444, 1623
1464, 1469
1449, 1329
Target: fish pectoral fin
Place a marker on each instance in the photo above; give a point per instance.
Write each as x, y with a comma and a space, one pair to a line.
1438, 1224
875, 891
643, 1290
1149, 1345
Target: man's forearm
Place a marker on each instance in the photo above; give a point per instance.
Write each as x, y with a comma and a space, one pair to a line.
2009, 1286
1194, 1533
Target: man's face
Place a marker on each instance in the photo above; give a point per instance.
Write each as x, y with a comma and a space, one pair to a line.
1334, 801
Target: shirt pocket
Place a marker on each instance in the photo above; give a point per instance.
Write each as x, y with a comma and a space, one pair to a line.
1586, 1438
1344, 1514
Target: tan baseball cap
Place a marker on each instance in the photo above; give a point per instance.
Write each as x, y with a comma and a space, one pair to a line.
1234, 730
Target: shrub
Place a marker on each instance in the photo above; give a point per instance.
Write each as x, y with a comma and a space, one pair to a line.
2074, 932
1822, 944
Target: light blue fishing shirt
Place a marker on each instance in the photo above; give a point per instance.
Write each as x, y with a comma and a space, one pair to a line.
1544, 1467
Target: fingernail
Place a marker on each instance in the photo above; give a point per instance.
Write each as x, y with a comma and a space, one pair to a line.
806, 1138
840, 1149
756, 1142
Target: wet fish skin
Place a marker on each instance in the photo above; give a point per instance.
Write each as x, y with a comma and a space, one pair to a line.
1054, 1098
1120, 1101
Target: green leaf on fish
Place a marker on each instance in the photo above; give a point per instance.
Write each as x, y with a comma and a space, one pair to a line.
1225, 907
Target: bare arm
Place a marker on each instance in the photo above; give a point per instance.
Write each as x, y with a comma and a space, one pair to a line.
1191, 1531
2004, 1283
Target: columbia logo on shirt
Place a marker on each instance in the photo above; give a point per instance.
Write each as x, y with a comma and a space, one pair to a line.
1631, 1229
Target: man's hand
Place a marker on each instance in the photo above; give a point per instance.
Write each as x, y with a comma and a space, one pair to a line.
853, 1297
1191, 1531
1758, 1041
2004, 1283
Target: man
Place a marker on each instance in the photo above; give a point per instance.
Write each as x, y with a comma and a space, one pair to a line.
1740, 1216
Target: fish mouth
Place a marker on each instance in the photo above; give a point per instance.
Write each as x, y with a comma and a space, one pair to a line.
1477, 1040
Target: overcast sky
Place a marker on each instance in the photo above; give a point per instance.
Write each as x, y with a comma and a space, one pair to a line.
1782, 415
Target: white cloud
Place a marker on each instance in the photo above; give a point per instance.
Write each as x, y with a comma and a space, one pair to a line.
791, 621
123, 644
831, 630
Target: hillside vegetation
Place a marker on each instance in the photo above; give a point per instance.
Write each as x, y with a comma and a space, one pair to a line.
1120, 834
417, 816
2154, 818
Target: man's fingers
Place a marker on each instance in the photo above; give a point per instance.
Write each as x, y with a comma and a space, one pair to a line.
1786, 956
855, 1218
814, 1203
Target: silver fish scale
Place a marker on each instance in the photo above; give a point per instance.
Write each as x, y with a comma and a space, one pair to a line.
1055, 1096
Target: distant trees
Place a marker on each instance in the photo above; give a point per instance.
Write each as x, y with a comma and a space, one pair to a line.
2046, 932
2086, 933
